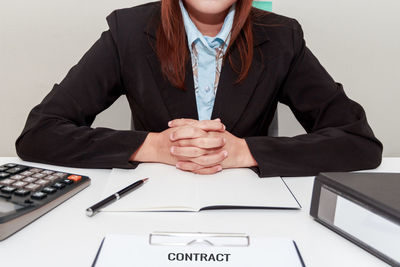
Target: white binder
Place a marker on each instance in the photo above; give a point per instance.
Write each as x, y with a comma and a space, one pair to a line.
163, 249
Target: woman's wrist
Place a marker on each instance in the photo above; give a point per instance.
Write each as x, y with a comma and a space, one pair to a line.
244, 156
147, 152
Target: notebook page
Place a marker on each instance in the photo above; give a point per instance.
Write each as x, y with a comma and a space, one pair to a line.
166, 190
243, 188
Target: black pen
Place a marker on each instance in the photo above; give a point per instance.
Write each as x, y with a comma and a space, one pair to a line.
95, 208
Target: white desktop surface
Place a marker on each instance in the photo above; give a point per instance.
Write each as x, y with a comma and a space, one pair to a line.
67, 237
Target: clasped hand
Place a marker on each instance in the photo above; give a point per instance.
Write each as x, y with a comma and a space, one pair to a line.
205, 147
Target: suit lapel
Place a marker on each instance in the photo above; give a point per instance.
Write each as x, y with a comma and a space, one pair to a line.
232, 98
180, 104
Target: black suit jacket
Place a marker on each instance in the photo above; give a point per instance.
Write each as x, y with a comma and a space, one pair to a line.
123, 62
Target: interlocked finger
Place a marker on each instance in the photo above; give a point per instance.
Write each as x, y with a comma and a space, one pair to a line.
210, 159
188, 166
203, 142
206, 125
196, 168
187, 133
189, 152
209, 170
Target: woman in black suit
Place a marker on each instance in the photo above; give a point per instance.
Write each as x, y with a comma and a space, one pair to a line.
145, 56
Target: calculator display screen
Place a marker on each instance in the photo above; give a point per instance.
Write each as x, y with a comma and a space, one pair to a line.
6, 206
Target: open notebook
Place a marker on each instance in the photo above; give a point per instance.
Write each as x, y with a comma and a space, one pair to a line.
169, 189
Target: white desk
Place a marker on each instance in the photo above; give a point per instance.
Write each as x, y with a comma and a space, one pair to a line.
67, 237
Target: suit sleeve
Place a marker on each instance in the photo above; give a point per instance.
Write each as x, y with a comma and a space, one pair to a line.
338, 135
58, 130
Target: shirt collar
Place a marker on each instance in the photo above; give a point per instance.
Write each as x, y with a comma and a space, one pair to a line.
193, 34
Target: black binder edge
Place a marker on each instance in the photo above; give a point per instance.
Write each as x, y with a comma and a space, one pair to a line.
315, 196
347, 192
98, 253
299, 254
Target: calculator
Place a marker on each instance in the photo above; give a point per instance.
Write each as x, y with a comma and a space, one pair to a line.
26, 193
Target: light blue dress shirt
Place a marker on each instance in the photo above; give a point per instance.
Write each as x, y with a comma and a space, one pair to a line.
206, 54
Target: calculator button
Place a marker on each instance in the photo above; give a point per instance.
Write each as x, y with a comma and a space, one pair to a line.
20, 184
75, 178
60, 174
49, 190
17, 177
2, 168
8, 189
27, 173
51, 178
32, 187
13, 170
42, 182
39, 175
38, 195
30, 179
35, 170
4, 175
47, 172
17, 169
10, 165
22, 192
58, 185
7, 182
67, 181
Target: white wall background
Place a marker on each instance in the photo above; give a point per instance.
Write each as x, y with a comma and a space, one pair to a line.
357, 41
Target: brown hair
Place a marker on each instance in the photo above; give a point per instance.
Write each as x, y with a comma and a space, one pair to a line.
172, 48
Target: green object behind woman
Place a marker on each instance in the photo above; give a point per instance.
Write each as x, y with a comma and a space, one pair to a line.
264, 5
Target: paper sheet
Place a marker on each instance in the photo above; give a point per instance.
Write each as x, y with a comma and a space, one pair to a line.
131, 250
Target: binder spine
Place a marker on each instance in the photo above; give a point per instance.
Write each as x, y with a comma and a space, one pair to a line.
315, 198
